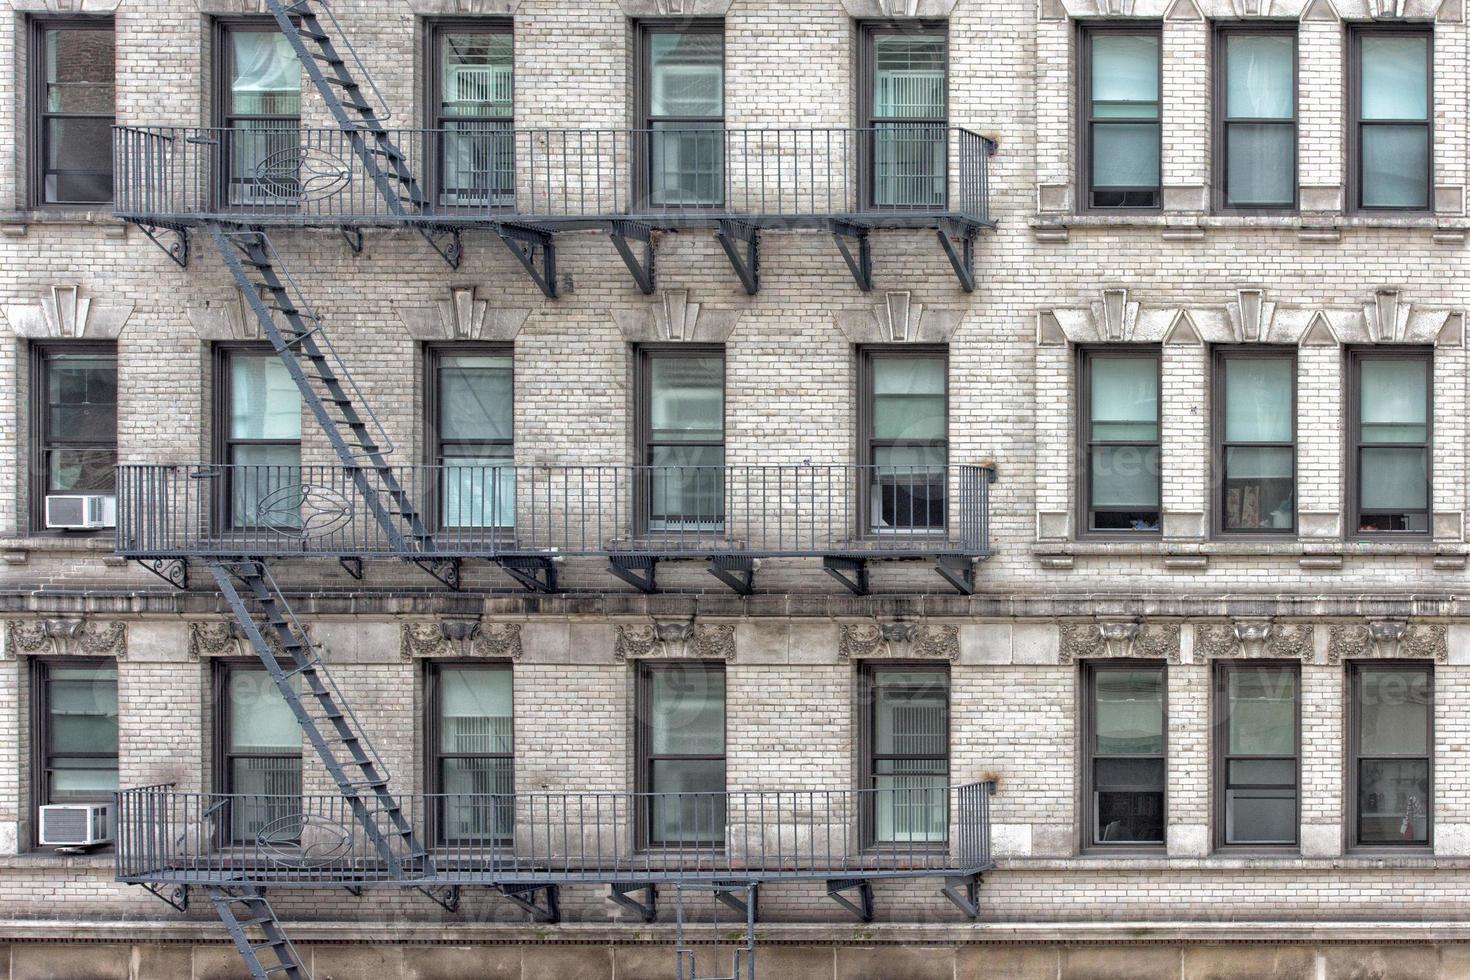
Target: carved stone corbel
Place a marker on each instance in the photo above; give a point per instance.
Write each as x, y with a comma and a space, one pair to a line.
227, 638
674, 639
67, 637
460, 638
1388, 639
1118, 639
898, 641
1253, 638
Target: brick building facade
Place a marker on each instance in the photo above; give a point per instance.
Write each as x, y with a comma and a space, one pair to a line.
1328, 592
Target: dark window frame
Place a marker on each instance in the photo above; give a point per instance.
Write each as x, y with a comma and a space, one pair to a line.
1222, 122
1355, 444
223, 669
867, 355
1356, 124
40, 747
433, 354
641, 155
1089, 755
1218, 444
1354, 760
434, 756
1221, 755
644, 443
643, 782
1086, 32
222, 119
868, 757
38, 114
39, 444
223, 445
868, 32
433, 95
1086, 355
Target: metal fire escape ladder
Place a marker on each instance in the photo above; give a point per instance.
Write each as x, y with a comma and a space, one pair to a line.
360, 112
257, 932
324, 716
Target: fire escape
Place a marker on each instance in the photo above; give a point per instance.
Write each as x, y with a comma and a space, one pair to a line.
362, 175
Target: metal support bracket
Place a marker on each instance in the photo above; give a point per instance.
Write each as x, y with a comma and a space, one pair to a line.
735, 571
851, 572
531, 247
547, 909
356, 891
957, 570
173, 241
642, 270
639, 571
964, 892
646, 910
446, 896
352, 566
536, 574
446, 570
353, 238
863, 907
174, 571
741, 242
963, 261
860, 265
728, 893
175, 895
446, 241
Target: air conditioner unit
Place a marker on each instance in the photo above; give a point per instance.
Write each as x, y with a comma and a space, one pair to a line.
76, 824
81, 511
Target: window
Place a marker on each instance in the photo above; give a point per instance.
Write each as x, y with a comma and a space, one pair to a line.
471, 412
681, 108
1256, 107
1257, 738
260, 424
258, 762
1124, 745
472, 98
907, 759
682, 435
681, 712
76, 745
904, 111
904, 438
259, 91
1121, 136
1390, 97
1255, 440
74, 422
1390, 426
72, 110
472, 745
1392, 770
1120, 434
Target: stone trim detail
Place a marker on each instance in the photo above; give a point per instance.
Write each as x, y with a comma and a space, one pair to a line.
63, 312
675, 8
1119, 639
898, 320
65, 6
462, 315
674, 640
464, 8
1388, 639
460, 638
227, 638
879, 9
1254, 638
671, 318
67, 638
898, 641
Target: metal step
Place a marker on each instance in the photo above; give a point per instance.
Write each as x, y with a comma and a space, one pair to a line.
258, 915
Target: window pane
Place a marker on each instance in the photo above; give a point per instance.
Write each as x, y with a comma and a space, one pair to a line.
910, 713
1258, 399
81, 706
79, 71
1125, 154
1125, 76
908, 77
1125, 399
1392, 405
1262, 711
81, 470
476, 75
910, 802
1125, 477
687, 398
265, 77
1259, 76
1393, 801
259, 717
475, 397
687, 712
1259, 161
1261, 772
1128, 796
908, 398
478, 800
479, 487
690, 801
1259, 488
687, 163
81, 779
909, 164
265, 490
1128, 711
1395, 166
1393, 708
267, 799
1260, 816
475, 711
687, 485
81, 394
1395, 77
264, 401
1394, 479
686, 74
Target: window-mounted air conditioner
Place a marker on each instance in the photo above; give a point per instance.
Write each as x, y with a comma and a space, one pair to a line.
80, 511
76, 824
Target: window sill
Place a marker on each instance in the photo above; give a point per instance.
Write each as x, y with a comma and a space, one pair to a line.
1194, 555
14, 224
18, 550
1193, 225
102, 859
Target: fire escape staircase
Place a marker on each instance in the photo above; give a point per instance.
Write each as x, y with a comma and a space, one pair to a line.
257, 933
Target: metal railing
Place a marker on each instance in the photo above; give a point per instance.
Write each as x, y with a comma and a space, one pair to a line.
486, 511
487, 839
490, 172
